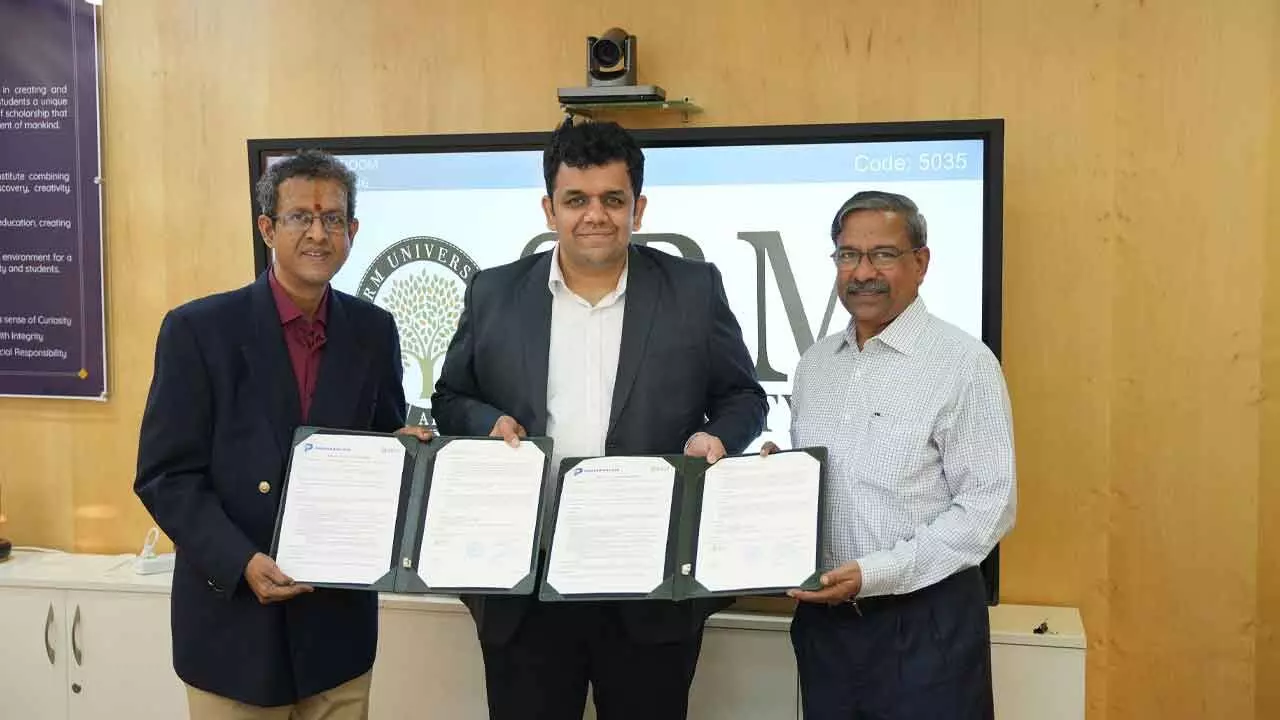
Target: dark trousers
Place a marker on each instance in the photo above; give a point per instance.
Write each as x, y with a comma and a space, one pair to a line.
543, 671
913, 657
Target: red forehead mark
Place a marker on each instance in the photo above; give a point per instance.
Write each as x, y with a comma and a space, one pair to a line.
317, 207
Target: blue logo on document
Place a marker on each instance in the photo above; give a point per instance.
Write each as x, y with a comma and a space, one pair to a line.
308, 447
595, 471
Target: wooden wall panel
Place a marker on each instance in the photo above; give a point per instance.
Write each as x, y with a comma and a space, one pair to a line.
1268, 645
1191, 198
1060, 229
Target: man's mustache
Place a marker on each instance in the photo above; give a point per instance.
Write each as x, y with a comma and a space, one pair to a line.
870, 286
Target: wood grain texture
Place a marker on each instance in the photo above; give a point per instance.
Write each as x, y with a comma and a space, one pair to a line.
1268, 571
1060, 229
1193, 131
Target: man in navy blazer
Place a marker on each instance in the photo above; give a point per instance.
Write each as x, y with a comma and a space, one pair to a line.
235, 374
608, 348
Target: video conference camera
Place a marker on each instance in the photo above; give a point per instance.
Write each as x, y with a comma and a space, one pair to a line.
611, 73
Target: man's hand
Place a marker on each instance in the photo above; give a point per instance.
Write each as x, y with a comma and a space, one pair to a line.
769, 448
837, 586
418, 431
705, 445
269, 583
509, 430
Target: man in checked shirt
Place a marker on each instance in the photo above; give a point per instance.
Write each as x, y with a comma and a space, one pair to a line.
915, 415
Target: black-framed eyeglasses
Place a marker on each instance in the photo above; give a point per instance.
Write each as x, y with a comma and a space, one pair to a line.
880, 258
300, 220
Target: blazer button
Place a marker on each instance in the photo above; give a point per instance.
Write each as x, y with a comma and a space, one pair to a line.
264, 487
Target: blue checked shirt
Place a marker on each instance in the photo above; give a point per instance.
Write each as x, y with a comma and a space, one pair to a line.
921, 479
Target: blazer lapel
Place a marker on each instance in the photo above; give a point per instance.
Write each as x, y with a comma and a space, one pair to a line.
268, 361
637, 320
533, 326
343, 370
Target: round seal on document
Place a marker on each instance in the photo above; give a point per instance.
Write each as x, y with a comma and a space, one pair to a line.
420, 280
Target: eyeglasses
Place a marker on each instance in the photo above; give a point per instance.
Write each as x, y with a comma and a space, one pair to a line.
880, 258
300, 221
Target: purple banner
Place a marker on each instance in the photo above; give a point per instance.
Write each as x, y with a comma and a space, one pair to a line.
51, 305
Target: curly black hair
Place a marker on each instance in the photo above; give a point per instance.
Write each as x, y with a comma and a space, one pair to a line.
592, 144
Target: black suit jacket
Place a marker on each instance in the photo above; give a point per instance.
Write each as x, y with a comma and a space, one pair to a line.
219, 420
682, 367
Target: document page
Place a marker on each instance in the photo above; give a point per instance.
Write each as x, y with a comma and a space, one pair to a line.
611, 527
482, 515
759, 524
340, 509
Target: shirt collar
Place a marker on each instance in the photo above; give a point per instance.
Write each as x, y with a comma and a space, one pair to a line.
288, 309
902, 334
555, 281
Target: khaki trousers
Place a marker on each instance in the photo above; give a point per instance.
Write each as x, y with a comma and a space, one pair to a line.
348, 701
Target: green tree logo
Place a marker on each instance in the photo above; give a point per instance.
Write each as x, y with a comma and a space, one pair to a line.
426, 307
421, 281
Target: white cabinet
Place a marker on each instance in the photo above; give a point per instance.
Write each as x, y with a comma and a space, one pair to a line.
429, 662
429, 657
82, 637
33, 654
69, 651
121, 660
744, 672
1038, 662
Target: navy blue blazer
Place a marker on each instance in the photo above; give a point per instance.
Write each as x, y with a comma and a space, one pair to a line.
682, 367
218, 422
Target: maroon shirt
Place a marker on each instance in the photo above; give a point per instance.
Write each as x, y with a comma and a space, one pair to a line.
304, 338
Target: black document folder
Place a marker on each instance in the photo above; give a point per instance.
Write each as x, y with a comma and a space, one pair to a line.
402, 572
680, 577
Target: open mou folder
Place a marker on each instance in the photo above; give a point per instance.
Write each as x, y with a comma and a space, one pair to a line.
673, 527
383, 512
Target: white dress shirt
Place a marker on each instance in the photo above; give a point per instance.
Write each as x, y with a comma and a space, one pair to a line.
582, 367
921, 480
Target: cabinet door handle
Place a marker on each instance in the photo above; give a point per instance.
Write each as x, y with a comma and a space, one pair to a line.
75, 637
48, 644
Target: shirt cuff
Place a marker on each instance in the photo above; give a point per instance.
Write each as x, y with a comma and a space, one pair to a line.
879, 574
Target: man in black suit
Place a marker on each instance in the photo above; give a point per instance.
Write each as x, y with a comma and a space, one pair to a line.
235, 373
608, 348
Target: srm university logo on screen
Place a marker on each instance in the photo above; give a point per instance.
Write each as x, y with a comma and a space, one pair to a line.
421, 281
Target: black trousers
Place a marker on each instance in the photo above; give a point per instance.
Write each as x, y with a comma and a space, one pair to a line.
921, 656
543, 671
